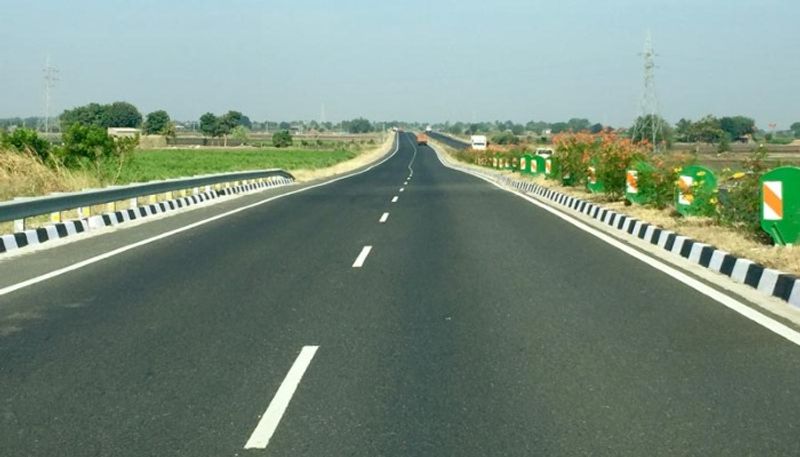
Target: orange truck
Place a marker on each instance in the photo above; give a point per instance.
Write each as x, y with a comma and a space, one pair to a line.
422, 139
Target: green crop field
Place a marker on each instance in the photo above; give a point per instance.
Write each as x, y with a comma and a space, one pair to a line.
149, 165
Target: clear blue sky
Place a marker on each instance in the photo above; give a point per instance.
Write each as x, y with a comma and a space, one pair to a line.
413, 60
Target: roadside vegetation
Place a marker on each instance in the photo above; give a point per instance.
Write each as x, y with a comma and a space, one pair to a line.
726, 217
99, 145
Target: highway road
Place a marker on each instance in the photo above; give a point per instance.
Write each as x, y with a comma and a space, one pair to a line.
382, 316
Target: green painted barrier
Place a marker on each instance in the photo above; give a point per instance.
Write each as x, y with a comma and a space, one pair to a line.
525, 164
696, 185
537, 165
592, 184
632, 182
780, 204
495, 162
550, 168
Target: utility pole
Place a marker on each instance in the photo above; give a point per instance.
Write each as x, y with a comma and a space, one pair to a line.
648, 108
50, 78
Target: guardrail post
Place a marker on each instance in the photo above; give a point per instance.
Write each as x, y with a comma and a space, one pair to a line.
55, 217
195, 191
19, 225
111, 207
80, 211
152, 199
133, 203
208, 188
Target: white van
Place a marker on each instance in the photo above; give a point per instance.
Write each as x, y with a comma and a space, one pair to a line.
479, 141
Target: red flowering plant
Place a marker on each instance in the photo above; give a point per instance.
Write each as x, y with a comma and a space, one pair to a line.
615, 156
574, 152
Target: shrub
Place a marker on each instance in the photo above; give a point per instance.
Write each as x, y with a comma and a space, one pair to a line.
282, 139
616, 156
574, 152
28, 141
740, 198
658, 185
89, 146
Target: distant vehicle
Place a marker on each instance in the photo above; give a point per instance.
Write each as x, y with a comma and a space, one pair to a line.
422, 139
544, 152
429, 129
479, 141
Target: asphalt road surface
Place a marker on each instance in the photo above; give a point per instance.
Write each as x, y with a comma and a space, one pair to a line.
476, 325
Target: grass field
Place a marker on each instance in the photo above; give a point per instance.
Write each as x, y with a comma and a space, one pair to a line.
173, 163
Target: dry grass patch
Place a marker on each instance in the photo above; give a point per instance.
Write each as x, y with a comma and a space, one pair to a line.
364, 158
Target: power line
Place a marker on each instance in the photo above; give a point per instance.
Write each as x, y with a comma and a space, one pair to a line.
651, 125
50, 78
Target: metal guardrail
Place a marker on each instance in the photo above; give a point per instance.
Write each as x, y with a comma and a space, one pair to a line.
20, 209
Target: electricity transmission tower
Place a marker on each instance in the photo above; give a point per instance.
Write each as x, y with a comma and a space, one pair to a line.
650, 124
50, 78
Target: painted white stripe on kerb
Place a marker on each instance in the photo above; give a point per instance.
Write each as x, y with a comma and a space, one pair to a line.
740, 270
260, 437
716, 260
768, 280
383, 218
394, 200
362, 257
10, 242
697, 251
678, 245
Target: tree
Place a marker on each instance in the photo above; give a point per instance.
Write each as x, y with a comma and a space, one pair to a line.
235, 118
121, 114
208, 124
282, 139
117, 114
157, 123
241, 134
707, 130
596, 128
737, 126
683, 130
795, 128
359, 125
559, 127
91, 114
646, 126
578, 125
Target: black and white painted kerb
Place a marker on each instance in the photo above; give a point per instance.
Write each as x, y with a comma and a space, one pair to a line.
60, 230
768, 281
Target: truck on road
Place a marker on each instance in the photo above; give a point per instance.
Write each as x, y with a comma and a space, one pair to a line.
422, 139
479, 142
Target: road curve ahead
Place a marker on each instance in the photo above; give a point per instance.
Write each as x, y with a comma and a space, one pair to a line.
387, 316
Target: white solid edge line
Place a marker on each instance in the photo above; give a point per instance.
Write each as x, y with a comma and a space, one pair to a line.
112, 253
726, 300
362, 257
383, 218
394, 199
269, 421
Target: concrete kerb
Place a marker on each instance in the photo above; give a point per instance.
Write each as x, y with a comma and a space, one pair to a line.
32, 237
781, 285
